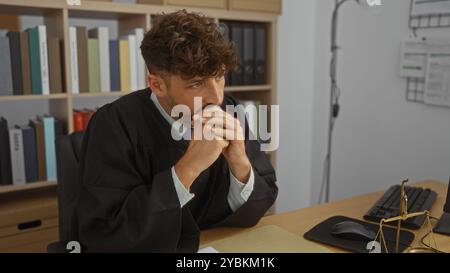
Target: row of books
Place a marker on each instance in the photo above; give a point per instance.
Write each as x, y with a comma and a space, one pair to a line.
99, 64
30, 62
81, 119
27, 153
250, 40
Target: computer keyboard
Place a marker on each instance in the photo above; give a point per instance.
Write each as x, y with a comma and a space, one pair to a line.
387, 206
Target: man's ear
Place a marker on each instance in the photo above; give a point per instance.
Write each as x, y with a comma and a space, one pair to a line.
156, 84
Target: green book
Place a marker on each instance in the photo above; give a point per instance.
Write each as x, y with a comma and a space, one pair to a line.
93, 65
35, 60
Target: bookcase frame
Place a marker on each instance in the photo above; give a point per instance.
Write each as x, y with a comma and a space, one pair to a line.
56, 15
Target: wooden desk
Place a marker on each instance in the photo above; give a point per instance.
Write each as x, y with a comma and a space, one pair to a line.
300, 221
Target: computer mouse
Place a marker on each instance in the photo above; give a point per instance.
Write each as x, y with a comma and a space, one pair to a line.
352, 231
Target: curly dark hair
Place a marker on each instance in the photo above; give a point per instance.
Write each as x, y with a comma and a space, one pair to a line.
187, 44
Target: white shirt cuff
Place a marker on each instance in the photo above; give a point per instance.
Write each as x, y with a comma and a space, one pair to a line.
184, 196
240, 192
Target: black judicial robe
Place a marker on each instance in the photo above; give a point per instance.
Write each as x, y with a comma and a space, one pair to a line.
127, 200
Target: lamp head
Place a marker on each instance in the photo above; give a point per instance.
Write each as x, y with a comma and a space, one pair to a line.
371, 5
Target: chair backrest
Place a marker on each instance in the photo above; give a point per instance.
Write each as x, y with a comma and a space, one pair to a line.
68, 149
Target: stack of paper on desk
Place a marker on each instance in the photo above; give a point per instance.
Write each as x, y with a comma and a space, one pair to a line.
267, 239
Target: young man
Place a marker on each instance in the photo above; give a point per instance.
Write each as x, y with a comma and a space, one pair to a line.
142, 190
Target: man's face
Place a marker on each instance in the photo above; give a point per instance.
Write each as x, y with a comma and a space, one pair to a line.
174, 90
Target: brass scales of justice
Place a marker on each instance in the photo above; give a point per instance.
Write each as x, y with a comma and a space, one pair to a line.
404, 215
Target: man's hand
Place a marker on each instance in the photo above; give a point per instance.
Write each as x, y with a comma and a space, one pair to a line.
227, 127
225, 136
199, 155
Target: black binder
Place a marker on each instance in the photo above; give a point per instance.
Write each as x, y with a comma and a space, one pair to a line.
16, 62
237, 76
260, 53
248, 55
5, 154
225, 30
59, 128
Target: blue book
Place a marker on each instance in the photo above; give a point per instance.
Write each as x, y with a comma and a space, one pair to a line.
35, 60
30, 154
114, 62
50, 151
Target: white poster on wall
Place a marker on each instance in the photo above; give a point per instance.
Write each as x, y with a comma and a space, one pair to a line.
427, 7
414, 58
437, 84
416, 52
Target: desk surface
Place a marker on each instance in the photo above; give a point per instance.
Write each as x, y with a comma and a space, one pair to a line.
300, 221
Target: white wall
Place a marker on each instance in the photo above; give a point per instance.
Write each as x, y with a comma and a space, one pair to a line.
295, 97
380, 138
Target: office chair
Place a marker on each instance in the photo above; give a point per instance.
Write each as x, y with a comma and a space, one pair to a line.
68, 149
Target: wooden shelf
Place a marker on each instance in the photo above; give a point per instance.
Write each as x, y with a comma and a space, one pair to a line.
21, 7
28, 186
99, 95
116, 10
249, 88
34, 7
34, 97
105, 10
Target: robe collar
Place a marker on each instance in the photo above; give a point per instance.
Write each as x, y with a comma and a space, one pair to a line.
182, 133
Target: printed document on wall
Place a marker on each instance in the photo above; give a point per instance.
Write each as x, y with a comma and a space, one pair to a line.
437, 84
427, 7
415, 54
414, 58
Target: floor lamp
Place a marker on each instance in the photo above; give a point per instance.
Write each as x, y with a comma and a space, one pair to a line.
334, 93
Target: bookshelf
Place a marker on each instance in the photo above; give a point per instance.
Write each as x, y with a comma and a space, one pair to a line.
57, 15
29, 186
34, 97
